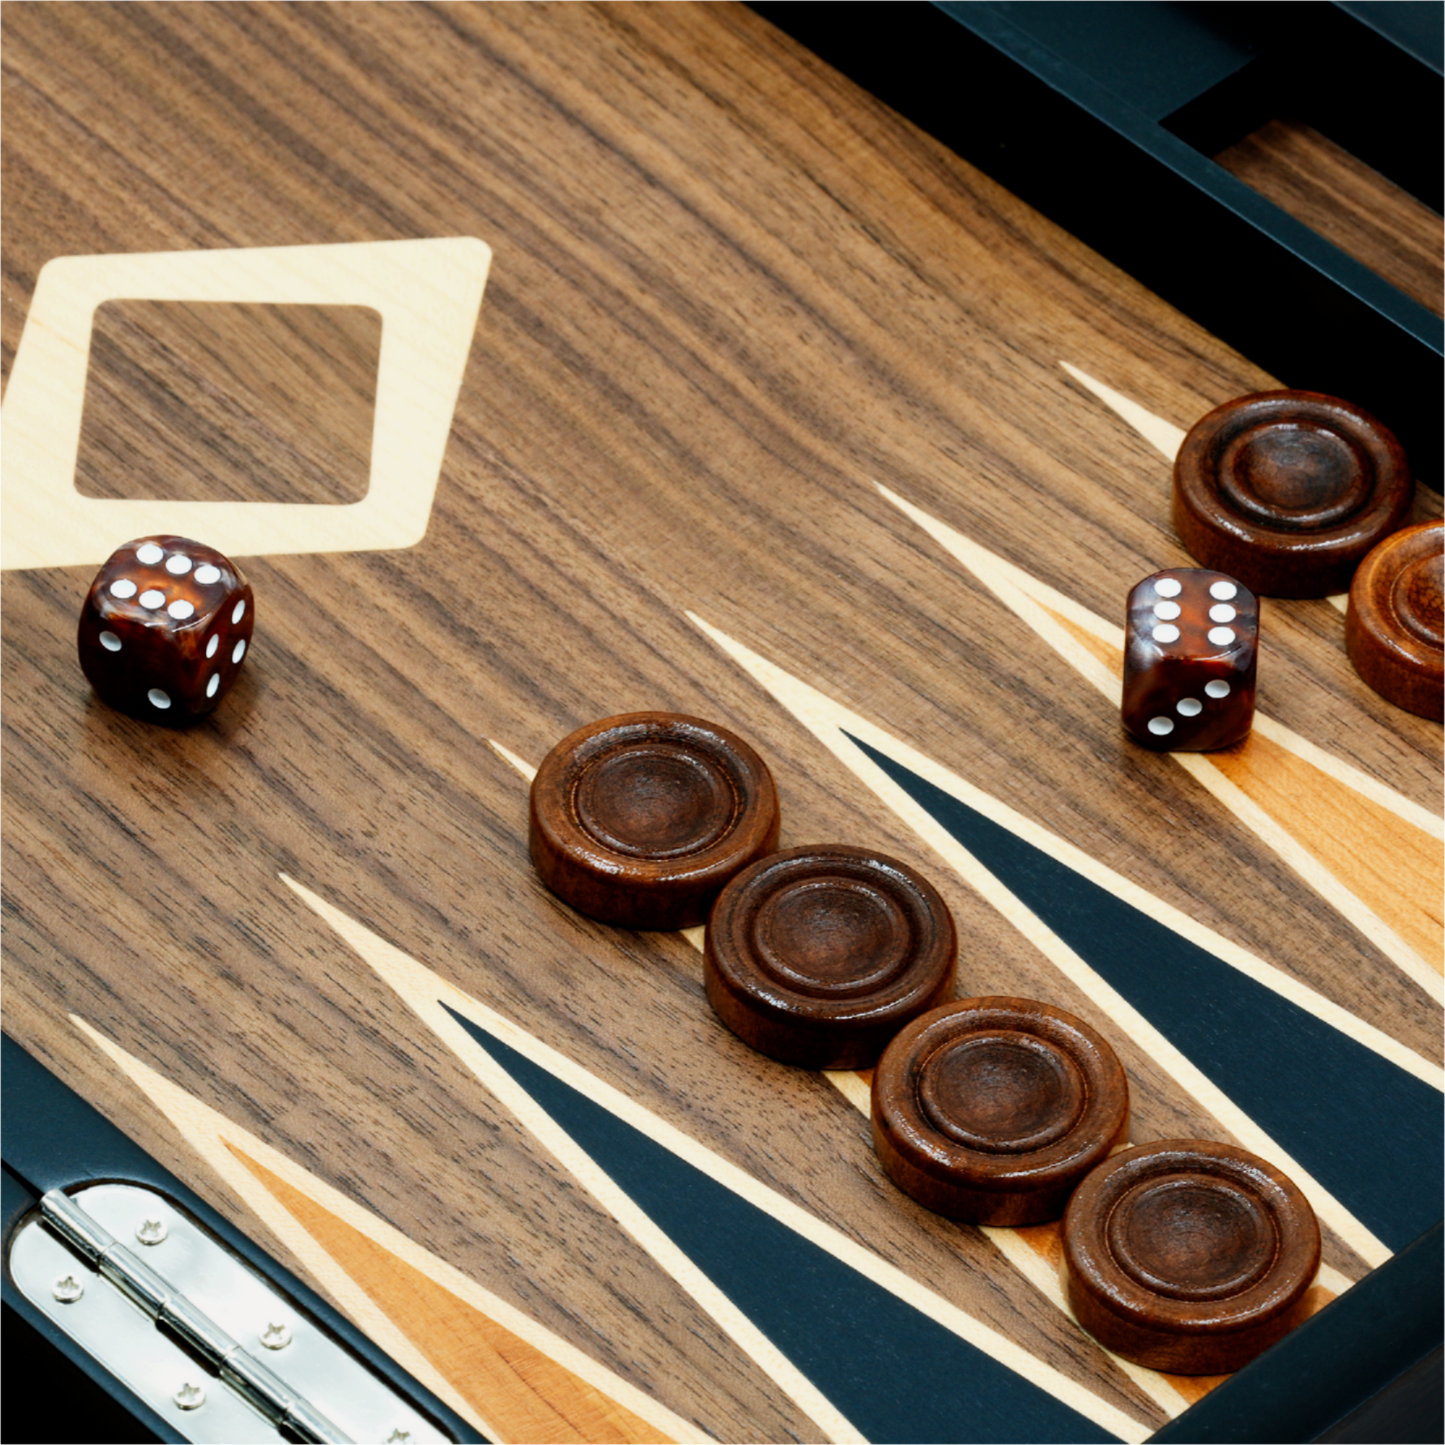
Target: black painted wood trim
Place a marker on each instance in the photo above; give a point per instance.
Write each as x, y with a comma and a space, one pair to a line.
1137, 193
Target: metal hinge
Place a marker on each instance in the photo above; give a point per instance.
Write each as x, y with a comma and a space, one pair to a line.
68, 1260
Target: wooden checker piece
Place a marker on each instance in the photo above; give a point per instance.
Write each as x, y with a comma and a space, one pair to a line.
640, 819
766, 399
1189, 1256
993, 1109
1287, 491
1394, 631
817, 956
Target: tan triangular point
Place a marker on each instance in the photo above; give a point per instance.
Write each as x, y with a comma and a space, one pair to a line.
1106, 652
1395, 870
527, 1395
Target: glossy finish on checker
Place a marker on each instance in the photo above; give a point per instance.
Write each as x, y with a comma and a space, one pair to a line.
640, 819
992, 1110
1191, 651
1287, 491
1189, 1256
1394, 630
818, 956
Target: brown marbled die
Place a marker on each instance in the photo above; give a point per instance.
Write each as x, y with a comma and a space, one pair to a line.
145, 660
1170, 683
992, 1110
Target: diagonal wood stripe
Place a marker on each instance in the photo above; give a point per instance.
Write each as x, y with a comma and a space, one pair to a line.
1395, 870
233, 1152
1108, 653
1061, 622
526, 1395
1163, 436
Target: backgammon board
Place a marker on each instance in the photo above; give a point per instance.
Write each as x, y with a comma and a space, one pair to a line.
542, 363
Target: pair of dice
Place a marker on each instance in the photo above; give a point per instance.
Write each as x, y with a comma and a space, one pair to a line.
164, 629
1191, 647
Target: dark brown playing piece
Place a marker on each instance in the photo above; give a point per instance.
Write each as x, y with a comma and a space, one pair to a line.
1189, 1256
993, 1109
818, 956
641, 819
1191, 643
1287, 491
164, 628
1393, 628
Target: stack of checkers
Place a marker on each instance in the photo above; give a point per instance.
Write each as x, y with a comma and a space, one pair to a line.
1181, 1255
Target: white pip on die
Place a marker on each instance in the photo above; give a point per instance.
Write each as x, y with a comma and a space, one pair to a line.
1190, 651
165, 626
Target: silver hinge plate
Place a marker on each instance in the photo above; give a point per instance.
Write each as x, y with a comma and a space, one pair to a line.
206, 1280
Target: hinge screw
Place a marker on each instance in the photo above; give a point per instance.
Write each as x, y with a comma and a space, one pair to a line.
67, 1289
276, 1337
151, 1231
398, 1437
190, 1397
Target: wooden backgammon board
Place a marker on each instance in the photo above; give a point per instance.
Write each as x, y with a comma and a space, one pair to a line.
544, 363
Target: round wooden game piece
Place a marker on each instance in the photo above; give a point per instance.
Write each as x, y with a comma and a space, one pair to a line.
640, 819
1394, 630
817, 956
993, 1109
1287, 491
1189, 1256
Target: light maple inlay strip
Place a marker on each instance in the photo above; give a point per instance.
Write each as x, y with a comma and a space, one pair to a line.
221, 1143
833, 725
1060, 622
527, 1395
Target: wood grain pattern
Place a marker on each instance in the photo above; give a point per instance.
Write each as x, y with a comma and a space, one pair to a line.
521, 1393
1347, 202
729, 295
217, 402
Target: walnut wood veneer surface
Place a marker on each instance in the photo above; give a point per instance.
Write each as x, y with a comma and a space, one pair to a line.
729, 293
1347, 202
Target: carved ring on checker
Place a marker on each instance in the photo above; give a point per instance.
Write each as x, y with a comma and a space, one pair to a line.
816, 956
993, 1109
1287, 491
1189, 1256
640, 819
1393, 625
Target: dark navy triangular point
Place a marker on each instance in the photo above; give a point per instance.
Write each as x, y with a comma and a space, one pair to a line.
1364, 1128
895, 1373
